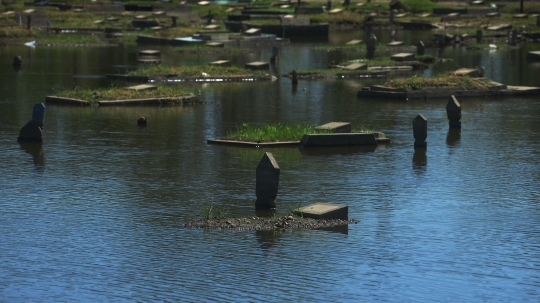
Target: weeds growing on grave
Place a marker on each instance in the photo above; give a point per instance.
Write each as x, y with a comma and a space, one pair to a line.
121, 93
207, 210
417, 82
272, 132
195, 71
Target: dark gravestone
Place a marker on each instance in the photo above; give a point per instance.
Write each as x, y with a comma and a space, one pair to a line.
420, 131
267, 182
392, 15
537, 20
420, 48
453, 111
371, 46
294, 77
329, 4
275, 51
32, 131
479, 34
513, 40
17, 60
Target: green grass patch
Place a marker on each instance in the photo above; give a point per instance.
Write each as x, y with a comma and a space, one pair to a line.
16, 33
272, 132
121, 93
419, 82
195, 71
420, 6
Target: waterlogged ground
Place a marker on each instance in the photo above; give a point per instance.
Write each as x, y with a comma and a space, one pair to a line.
97, 213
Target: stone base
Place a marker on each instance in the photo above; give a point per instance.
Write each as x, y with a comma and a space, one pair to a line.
324, 211
343, 139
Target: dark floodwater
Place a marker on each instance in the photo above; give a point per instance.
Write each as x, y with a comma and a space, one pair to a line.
96, 214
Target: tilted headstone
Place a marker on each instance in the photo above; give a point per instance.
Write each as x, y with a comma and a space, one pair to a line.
453, 111
17, 60
267, 182
479, 35
371, 46
32, 131
420, 48
420, 131
275, 51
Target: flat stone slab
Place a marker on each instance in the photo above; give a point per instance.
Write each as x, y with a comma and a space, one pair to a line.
402, 57
337, 127
353, 42
149, 60
257, 65
253, 32
29, 11
215, 44
500, 27
203, 3
355, 66
142, 87
159, 13
254, 144
140, 17
99, 21
221, 63
493, 15
535, 55
396, 43
338, 139
520, 16
212, 26
150, 52
335, 11
471, 72
324, 211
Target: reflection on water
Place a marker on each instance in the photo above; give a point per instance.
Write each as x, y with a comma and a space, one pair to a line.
337, 150
103, 222
36, 150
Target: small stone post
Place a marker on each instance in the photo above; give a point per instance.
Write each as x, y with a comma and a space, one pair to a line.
32, 131
537, 20
28, 21
17, 61
174, 21
479, 34
328, 4
294, 77
420, 131
267, 182
420, 48
513, 40
275, 51
392, 15
210, 17
392, 35
453, 111
371, 46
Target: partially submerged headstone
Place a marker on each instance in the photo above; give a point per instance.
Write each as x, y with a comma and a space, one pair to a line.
479, 35
17, 60
324, 211
142, 121
453, 111
32, 131
337, 127
267, 182
294, 77
275, 51
371, 46
420, 131
420, 48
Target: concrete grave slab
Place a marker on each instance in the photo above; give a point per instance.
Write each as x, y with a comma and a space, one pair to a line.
150, 52
335, 11
257, 65
534, 55
520, 16
253, 32
500, 27
353, 42
356, 66
324, 211
338, 139
402, 57
221, 63
396, 43
471, 72
142, 87
215, 44
212, 26
337, 127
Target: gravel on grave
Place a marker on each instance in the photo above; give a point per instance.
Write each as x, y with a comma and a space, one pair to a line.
267, 223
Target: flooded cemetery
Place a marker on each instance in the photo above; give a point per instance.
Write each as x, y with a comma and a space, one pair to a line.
314, 151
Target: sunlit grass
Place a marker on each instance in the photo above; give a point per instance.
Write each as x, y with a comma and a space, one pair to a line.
121, 93
272, 132
419, 82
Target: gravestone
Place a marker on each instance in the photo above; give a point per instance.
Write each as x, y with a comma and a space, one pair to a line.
275, 51
17, 60
420, 48
420, 131
324, 211
392, 35
32, 131
513, 39
537, 20
294, 77
371, 46
479, 34
453, 111
267, 182
392, 15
